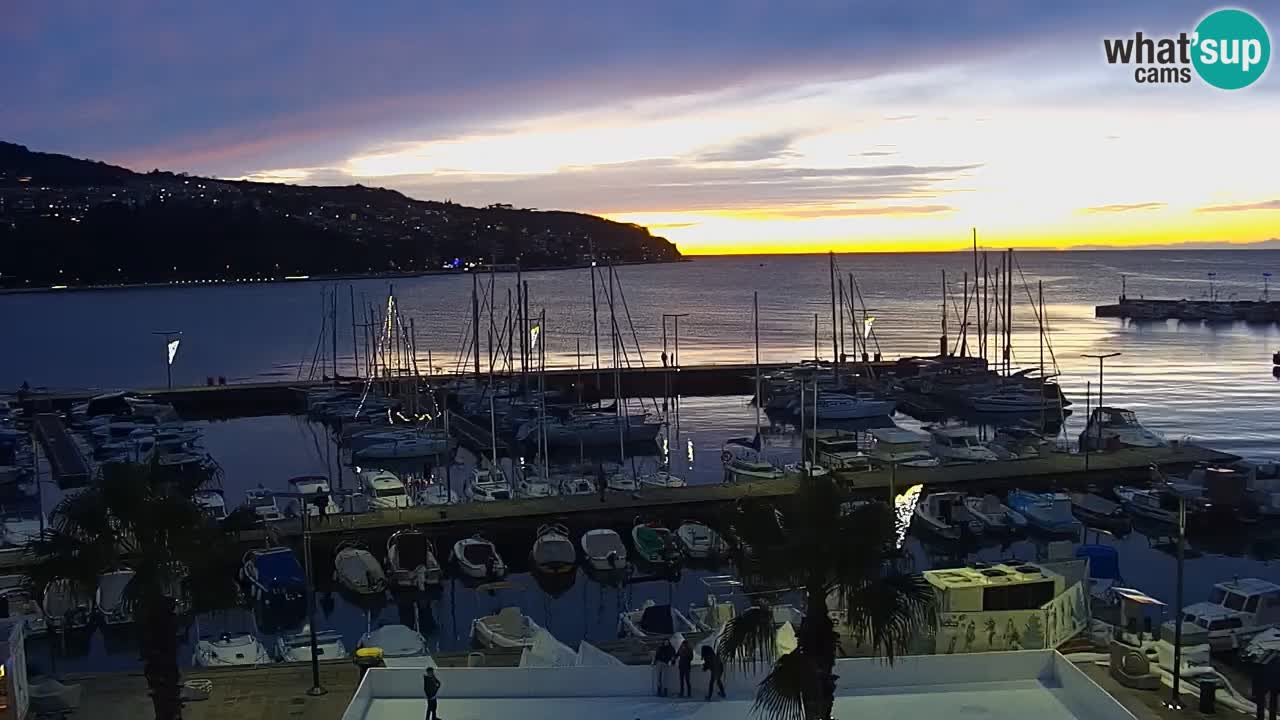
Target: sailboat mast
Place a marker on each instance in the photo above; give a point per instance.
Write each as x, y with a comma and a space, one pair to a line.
493, 309
977, 309
755, 314
333, 331
1040, 287
617, 376
355, 350
520, 323
840, 309
835, 348
986, 308
595, 324
944, 344
475, 322
1008, 330
542, 391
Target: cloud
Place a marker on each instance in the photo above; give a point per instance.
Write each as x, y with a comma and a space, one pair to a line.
1122, 207
1242, 207
856, 211
763, 147
876, 153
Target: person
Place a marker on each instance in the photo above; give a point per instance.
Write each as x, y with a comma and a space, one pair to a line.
711, 663
431, 687
685, 664
662, 659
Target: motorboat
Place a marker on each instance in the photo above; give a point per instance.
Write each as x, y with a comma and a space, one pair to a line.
509, 628
230, 641
415, 446
955, 444
661, 479
1149, 504
604, 549
395, 435
622, 480
1216, 492
1047, 512
273, 576
20, 527
713, 615
553, 551
488, 484
578, 485
945, 515
263, 504
840, 450
1014, 443
211, 502
395, 641
478, 558
1236, 611
1119, 427
355, 568
534, 486
994, 515
296, 647
804, 469
1099, 512
1015, 399
66, 606
317, 485
411, 560
842, 406
112, 604
895, 446
744, 459
1264, 648
699, 541
383, 490
435, 493
653, 621
22, 606
654, 543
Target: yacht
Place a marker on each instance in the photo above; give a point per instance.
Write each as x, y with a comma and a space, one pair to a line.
231, 641
1112, 426
662, 479
263, 504
533, 485
212, 503
314, 485
994, 515
273, 576
895, 446
840, 406
945, 515
1014, 399
593, 429
840, 450
383, 490
415, 445
1048, 512
296, 647
578, 485
1236, 611
958, 445
355, 568
487, 484
435, 493
743, 459
622, 480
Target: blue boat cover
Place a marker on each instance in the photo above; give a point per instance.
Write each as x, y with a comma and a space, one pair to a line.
278, 568
656, 620
1104, 561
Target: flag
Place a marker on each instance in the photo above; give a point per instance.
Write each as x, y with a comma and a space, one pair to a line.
533, 335
173, 349
866, 326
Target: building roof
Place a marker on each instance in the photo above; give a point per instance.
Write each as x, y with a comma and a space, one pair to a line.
956, 578
999, 686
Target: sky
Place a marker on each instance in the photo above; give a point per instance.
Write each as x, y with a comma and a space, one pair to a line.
723, 125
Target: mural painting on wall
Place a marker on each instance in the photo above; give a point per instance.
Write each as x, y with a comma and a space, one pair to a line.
1046, 627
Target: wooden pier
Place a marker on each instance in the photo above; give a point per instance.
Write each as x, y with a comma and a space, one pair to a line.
1258, 311
69, 467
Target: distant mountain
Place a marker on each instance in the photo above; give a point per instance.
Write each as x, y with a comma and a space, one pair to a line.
1268, 244
67, 221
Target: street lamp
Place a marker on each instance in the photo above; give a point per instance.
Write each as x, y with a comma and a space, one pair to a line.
307, 501
171, 341
1100, 359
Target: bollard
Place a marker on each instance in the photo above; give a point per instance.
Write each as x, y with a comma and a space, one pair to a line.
1208, 695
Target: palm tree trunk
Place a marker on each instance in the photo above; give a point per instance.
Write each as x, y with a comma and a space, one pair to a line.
159, 628
818, 637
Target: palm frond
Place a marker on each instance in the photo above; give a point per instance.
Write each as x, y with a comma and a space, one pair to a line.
792, 690
749, 638
891, 609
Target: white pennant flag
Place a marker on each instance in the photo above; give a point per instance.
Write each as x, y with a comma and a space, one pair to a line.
533, 335
173, 349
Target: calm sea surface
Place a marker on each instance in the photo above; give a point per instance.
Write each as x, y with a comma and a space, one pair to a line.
1212, 383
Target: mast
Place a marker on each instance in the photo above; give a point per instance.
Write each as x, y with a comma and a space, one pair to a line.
1040, 284
355, 350
511, 329
964, 322
840, 307
542, 393
835, 348
493, 309
1008, 325
755, 315
333, 331
617, 376
976, 307
944, 344
815, 337
986, 307
475, 322
595, 324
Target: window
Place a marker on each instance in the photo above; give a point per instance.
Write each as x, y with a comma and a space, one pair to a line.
1225, 624
1252, 604
1027, 596
1235, 601
389, 492
1216, 596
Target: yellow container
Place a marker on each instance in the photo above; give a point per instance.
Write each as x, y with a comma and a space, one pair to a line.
369, 652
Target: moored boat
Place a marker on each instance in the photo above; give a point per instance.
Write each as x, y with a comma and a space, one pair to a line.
653, 621
1046, 512
604, 549
508, 628
553, 551
478, 558
355, 568
1099, 512
994, 515
945, 515
411, 560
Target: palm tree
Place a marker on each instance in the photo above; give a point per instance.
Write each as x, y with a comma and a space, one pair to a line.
825, 552
143, 517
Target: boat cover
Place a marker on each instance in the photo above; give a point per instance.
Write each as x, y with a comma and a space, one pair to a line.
601, 544
1104, 561
547, 651
554, 550
477, 553
657, 620
395, 641
358, 567
278, 568
411, 551
591, 656
111, 588
648, 541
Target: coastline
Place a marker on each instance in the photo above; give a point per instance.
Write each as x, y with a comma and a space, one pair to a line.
331, 277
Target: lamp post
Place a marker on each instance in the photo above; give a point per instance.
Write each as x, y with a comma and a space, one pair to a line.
1100, 359
306, 501
171, 351
1266, 287
1174, 701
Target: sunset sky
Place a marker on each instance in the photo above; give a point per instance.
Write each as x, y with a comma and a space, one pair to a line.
725, 125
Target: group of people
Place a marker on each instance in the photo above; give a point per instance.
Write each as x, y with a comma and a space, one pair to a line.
666, 656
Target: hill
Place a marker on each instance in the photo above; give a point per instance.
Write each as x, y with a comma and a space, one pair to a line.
67, 221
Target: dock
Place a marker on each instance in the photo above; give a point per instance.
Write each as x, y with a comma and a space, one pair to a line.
69, 467
1258, 311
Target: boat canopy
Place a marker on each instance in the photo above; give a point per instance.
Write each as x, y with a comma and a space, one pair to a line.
411, 550
278, 567
656, 620
1104, 561
395, 641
